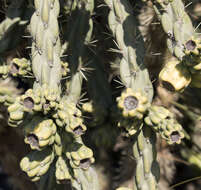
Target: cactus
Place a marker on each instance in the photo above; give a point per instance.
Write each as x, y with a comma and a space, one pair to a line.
182, 41
162, 121
64, 102
139, 91
147, 169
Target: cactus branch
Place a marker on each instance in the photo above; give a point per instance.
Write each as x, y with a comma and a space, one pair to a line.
139, 89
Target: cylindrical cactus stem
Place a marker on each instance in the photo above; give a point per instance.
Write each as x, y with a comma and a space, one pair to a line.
46, 64
78, 37
176, 24
138, 96
133, 72
46, 45
144, 152
182, 39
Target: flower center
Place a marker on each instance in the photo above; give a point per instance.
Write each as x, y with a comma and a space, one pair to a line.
175, 136
190, 45
131, 102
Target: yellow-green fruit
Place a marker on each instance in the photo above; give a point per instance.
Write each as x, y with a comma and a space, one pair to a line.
57, 145
76, 126
156, 114
31, 101
81, 156
40, 132
163, 122
87, 107
175, 76
65, 69
36, 163
16, 113
130, 125
133, 104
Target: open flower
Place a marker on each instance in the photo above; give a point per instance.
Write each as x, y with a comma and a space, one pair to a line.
133, 104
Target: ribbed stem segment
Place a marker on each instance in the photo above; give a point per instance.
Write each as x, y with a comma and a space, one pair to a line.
46, 44
147, 169
123, 24
135, 77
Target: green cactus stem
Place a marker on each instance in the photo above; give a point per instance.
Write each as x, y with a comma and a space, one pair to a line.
139, 90
80, 156
147, 169
46, 47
